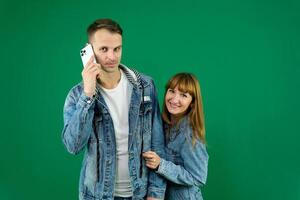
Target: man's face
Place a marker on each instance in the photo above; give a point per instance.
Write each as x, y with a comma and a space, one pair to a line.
108, 49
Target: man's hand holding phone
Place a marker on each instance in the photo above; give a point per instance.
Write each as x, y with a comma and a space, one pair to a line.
90, 73
91, 70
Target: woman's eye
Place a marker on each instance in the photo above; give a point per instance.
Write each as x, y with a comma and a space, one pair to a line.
184, 95
171, 90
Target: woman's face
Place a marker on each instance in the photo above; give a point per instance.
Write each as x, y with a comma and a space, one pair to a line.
177, 102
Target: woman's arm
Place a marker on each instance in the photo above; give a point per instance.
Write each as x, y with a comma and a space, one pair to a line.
194, 168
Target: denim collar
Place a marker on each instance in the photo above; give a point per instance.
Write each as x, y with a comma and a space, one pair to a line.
174, 130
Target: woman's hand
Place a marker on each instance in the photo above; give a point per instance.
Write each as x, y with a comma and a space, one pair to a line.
152, 159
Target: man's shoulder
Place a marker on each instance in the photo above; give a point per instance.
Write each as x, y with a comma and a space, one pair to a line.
147, 78
135, 74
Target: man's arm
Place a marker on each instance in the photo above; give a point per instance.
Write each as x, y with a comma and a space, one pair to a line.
157, 185
78, 118
79, 109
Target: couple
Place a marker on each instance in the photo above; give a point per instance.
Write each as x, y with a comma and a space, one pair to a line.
114, 114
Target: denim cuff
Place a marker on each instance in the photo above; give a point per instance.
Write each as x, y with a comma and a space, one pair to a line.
85, 101
157, 193
162, 167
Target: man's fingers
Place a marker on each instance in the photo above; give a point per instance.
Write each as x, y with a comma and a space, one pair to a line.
94, 69
91, 68
91, 60
90, 63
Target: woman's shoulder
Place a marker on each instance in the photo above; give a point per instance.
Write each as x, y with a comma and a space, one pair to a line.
186, 130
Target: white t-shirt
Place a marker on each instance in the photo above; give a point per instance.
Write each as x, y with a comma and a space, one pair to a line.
118, 100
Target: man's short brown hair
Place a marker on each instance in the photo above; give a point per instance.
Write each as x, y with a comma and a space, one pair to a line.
107, 24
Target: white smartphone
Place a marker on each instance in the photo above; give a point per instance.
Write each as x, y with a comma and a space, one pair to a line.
86, 53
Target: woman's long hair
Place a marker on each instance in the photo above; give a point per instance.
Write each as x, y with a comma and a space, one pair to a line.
188, 83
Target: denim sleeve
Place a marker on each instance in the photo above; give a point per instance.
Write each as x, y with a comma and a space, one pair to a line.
157, 184
194, 168
78, 117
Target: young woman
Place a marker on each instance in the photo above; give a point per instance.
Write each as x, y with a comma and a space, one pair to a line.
185, 166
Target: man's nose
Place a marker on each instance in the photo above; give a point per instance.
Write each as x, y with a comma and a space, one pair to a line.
111, 55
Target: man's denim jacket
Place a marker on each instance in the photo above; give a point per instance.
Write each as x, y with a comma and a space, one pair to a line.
186, 164
87, 123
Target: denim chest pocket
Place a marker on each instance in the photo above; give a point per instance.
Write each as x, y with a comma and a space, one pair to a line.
102, 124
93, 146
95, 137
97, 124
145, 115
145, 125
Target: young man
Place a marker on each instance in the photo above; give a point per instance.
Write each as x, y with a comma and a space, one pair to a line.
114, 114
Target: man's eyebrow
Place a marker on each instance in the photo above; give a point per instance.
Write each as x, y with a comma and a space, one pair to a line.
104, 46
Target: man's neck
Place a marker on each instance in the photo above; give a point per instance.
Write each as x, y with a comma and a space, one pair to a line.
110, 80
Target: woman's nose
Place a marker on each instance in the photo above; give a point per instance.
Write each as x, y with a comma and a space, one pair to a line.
175, 98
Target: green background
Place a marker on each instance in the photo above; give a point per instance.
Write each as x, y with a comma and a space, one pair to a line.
246, 55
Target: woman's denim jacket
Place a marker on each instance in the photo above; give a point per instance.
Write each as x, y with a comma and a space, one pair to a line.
185, 166
87, 123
